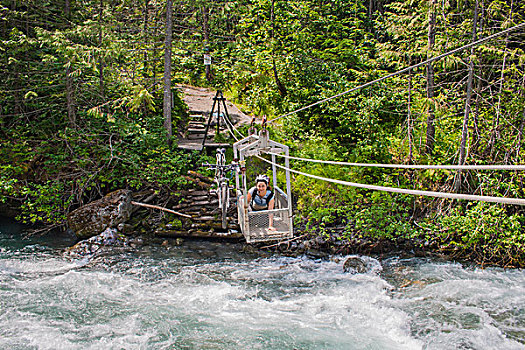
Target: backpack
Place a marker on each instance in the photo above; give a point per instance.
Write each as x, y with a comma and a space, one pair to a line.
253, 192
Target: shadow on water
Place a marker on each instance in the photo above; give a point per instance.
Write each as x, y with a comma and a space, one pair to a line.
14, 235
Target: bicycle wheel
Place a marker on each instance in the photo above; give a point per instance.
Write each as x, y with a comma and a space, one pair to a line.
225, 196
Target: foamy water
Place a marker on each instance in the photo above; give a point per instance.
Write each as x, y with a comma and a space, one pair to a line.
208, 295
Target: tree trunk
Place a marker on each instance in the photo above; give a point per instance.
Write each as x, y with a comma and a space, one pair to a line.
431, 129
146, 42
70, 103
409, 118
520, 130
67, 9
18, 98
206, 31
520, 137
476, 135
494, 135
272, 21
155, 63
101, 57
464, 132
71, 114
280, 86
167, 70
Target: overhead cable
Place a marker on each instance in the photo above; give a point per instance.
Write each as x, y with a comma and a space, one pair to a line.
231, 128
238, 132
407, 166
234, 128
477, 42
470, 197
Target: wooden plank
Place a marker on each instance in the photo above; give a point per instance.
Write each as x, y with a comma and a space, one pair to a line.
197, 144
199, 126
199, 131
189, 145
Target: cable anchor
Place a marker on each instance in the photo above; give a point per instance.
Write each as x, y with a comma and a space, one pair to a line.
252, 130
264, 135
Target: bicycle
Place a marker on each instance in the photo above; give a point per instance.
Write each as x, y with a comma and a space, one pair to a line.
223, 183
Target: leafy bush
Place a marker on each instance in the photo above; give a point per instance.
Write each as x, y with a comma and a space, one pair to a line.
54, 172
482, 230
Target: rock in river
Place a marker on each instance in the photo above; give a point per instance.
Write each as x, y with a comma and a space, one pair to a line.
354, 265
94, 246
95, 217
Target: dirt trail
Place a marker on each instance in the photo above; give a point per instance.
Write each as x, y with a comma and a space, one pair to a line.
200, 101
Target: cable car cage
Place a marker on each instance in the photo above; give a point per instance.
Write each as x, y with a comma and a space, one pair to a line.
254, 224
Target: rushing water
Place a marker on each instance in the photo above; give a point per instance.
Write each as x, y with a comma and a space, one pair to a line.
210, 295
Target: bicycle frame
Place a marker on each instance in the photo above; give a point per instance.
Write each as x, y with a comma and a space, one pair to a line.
223, 182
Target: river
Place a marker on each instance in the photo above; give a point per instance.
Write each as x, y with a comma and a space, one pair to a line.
211, 295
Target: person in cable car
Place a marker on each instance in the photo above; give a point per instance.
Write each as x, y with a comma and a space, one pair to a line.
260, 197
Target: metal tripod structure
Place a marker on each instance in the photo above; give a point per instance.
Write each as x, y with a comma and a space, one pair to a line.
219, 97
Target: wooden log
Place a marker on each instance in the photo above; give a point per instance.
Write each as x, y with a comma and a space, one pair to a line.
182, 206
159, 208
195, 207
201, 198
200, 176
196, 193
200, 225
198, 183
193, 213
196, 130
206, 203
198, 233
204, 218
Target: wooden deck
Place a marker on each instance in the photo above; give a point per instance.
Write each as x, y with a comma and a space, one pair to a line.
196, 145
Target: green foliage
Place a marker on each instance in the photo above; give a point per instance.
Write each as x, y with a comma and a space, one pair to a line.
8, 184
370, 214
86, 162
48, 202
81, 94
385, 216
485, 230
141, 100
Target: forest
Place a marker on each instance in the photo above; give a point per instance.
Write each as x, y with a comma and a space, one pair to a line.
89, 106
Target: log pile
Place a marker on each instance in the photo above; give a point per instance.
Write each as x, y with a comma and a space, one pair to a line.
202, 207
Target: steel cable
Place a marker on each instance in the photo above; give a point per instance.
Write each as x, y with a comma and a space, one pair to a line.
477, 42
408, 166
501, 200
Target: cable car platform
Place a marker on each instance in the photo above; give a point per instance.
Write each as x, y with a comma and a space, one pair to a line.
255, 224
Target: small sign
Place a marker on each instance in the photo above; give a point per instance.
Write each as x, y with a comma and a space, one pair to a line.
207, 59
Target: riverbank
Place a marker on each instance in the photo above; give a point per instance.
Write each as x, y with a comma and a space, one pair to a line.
152, 228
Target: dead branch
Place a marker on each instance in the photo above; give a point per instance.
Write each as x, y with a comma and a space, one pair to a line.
160, 208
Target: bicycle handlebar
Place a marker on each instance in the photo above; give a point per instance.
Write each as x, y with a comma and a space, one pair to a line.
225, 167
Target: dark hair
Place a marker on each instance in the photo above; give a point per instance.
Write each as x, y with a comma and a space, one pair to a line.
262, 178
